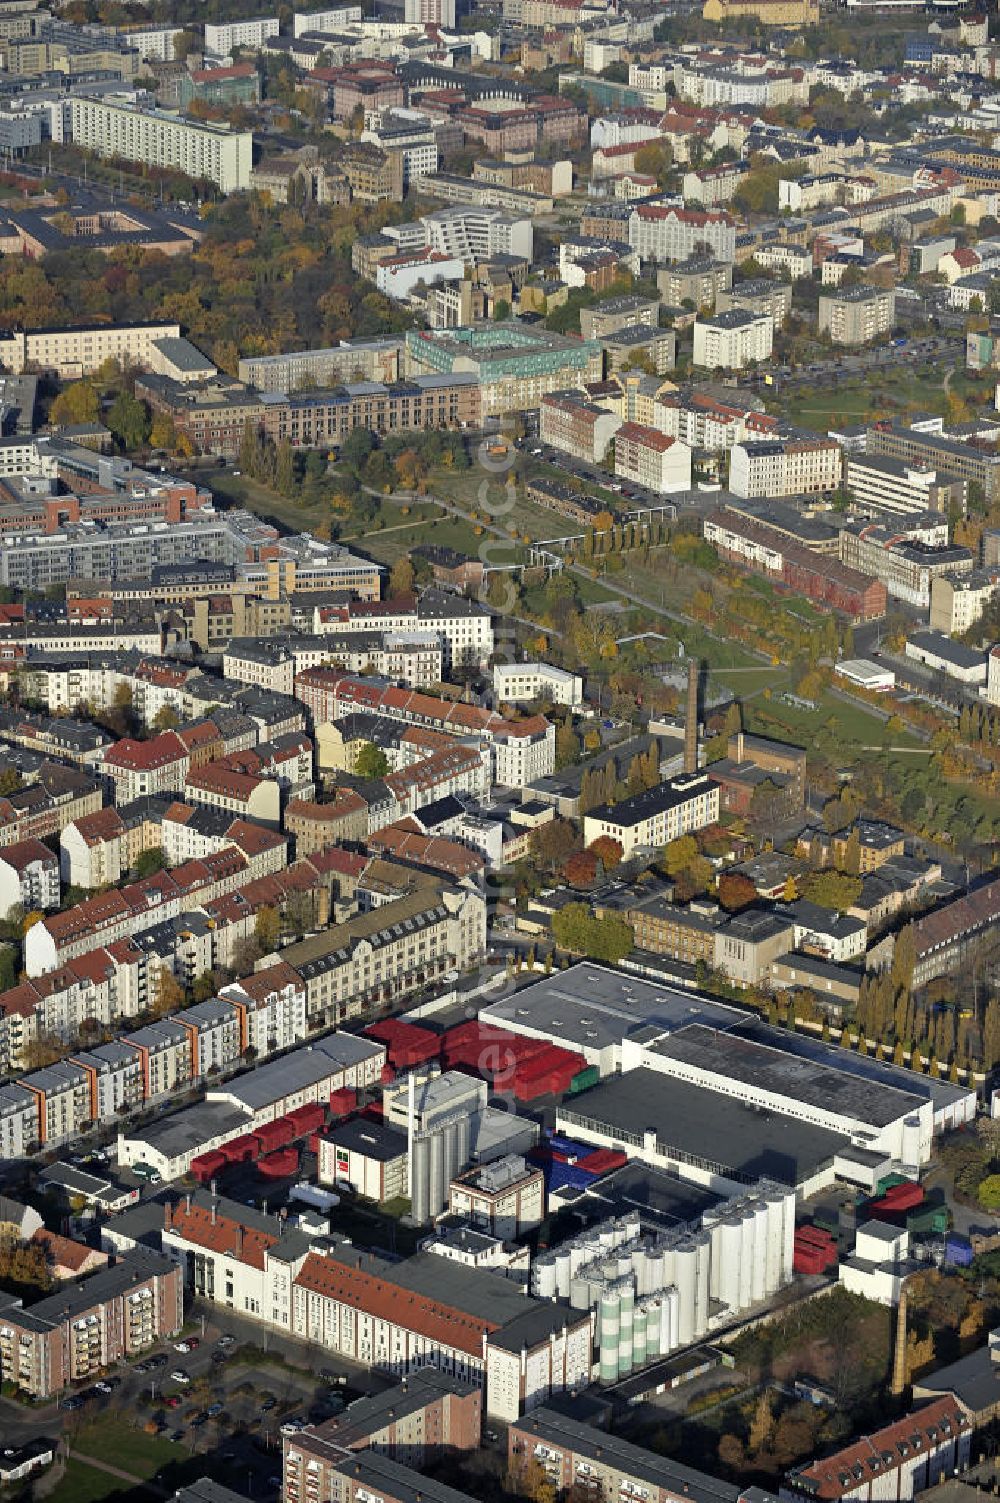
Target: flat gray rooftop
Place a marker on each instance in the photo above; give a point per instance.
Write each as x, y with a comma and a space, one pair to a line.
765, 1067
942, 1093
556, 1429
703, 1127
188, 1130
594, 1007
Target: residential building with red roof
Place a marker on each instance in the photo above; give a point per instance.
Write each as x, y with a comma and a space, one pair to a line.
29, 876
909, 1456
139, 768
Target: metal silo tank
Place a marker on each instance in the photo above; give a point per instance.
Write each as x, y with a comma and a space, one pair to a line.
421, 1180
607, 1337
775, 1203
685, 1271
746, 1257
670, 1321
562, 1272
788, 1237
703, 1245
544, 1277
627, 1317
639, 1322
437, 1180
911, 1147
761, 1219
729, 1262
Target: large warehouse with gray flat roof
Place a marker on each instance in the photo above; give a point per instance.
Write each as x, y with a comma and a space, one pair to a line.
880, 1117
591, 1009
703, 1135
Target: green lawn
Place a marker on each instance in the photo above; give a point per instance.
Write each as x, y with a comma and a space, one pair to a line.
836, 728
854, 401
121, 1444
240, 490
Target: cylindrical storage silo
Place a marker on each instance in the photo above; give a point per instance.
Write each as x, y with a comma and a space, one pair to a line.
607, 1338
746, 1257
911, 1140
654, 1269
729, 1270
775, 1202
788, 1238
464, 1142
703, 1244
685, 1269
670, 1321
421, 1181
759, 1269
626, 1318
563, 1275
438, 1182
639, 1336
714, 1234
544, 1277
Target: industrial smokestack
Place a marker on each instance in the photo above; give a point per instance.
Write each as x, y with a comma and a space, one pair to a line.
691, 719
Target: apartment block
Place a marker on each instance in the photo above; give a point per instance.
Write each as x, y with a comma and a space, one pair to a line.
857, 315
732, 340
652, 459
570, 421
85, 1328
666, 233
159, 139
884, 483
250, 35
785, 467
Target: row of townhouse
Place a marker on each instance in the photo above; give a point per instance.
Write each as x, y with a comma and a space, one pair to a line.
256, 1017
521, 750
470, 1324
55, 796
414, 658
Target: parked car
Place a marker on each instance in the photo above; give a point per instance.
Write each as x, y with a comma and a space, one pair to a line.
179, 1376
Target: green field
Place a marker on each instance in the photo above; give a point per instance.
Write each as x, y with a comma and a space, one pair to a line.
855, 401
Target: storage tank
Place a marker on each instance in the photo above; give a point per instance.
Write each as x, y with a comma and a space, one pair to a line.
746, 1256
788, 1237
421, 1180
543, 1277
607, 1337
626, 1317
704, 1259
670, 1317
758, 1271
911, 1147
583, 1292
654, 1269
563, 1272
639, 1336
685, 1269
775, 1203
729, 1261
436, 1188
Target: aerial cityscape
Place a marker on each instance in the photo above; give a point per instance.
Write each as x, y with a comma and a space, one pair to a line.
499, 751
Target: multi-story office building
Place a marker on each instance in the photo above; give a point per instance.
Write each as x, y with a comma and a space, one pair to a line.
903, 560
958, 600
732, 340
650, 819
935, 450
887, 484
516, 364
312, 418
379, 359
475, 234
785, 467
159, 139
857, 315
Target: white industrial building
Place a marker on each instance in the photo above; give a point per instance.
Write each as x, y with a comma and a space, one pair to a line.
591, 1009
877, 1117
